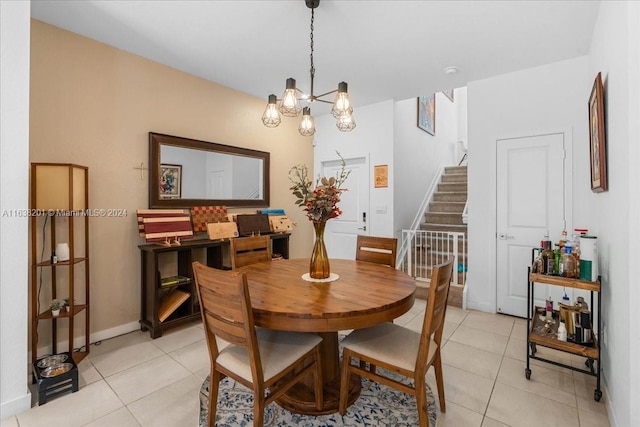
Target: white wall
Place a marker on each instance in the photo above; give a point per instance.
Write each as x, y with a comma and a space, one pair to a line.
418, 155
614, 52
373, 137
633, 23
14, 190
537, 100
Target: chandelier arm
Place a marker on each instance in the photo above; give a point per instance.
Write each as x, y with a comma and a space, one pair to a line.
322, 100
327, 93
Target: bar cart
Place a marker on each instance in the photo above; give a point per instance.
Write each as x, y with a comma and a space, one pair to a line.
538, 335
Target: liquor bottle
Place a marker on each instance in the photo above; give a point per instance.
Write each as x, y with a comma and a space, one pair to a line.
563, 240
562, 331
557, 255
568, 263
538, 264
548, 258
549, 309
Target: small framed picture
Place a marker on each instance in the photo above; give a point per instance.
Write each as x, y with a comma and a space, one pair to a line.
381, 176
427, 113
170, 181
597, 138
448, 94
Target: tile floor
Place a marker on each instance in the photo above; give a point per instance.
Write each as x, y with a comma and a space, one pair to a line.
133, 380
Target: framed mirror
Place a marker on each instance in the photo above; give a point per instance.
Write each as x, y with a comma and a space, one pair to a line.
187, 172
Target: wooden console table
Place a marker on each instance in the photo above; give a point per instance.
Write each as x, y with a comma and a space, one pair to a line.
171, 296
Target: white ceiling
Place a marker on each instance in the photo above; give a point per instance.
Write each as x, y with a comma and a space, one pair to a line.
383, 49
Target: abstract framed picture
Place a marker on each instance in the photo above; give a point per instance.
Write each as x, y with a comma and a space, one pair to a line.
170, 181
448, 94
597, 137
427, 113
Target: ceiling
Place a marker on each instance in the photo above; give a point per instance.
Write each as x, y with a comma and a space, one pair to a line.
383, 49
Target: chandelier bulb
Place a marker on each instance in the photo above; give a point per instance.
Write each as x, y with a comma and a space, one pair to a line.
307, 126
290, 106
342, 103
271, 117
346, 123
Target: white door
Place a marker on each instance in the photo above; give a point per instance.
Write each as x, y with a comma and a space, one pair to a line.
340, 233
530, 198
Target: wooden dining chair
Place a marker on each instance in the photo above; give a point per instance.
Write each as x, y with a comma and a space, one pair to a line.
381, 250
249, 250
258, 358
401, 350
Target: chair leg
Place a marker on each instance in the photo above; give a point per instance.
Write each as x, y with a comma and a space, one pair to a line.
318, 374
214, 385
437, 364
345, 375
421, 401
258, 409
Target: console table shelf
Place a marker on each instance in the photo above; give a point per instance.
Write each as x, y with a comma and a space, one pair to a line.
154, 292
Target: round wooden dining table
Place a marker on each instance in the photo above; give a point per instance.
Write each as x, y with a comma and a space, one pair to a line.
365, 294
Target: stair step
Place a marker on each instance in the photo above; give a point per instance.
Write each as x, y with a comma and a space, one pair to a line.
453, 187
456, 177
455, 169
455, 294
443, 227
457, 207
447, 196
452, 218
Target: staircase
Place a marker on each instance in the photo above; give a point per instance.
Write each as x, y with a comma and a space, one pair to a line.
445, 215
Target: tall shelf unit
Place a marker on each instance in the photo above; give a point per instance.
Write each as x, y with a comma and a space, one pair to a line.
536, 338
59, 193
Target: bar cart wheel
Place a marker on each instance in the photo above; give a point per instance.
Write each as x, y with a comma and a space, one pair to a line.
527, 373
597, 395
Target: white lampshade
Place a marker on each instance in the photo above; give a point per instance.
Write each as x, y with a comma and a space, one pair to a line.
62, 251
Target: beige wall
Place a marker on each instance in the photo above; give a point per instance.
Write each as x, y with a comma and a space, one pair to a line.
93, 105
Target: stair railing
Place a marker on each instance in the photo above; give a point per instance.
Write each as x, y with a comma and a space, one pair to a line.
415, 225
430, 248
465, 212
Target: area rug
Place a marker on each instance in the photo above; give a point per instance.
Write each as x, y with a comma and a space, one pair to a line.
378, 405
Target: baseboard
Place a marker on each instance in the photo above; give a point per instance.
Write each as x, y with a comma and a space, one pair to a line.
611, 412
15, 406
93, 338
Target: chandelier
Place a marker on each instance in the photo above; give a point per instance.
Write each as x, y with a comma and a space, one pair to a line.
289, 104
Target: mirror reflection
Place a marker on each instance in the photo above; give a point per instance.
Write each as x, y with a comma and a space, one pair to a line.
212, 175
186, 172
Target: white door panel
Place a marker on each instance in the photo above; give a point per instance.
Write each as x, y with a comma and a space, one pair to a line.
340, 233
529, 204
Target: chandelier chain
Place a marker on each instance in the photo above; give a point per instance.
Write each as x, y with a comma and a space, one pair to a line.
313, 69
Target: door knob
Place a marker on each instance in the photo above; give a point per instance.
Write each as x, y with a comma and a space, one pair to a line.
505, 236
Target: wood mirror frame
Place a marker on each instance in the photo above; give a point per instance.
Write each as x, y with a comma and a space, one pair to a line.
156, 200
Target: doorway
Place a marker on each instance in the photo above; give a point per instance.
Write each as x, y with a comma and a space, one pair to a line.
341, 233
530, 203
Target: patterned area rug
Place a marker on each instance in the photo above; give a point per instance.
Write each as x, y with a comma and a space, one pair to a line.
378, 405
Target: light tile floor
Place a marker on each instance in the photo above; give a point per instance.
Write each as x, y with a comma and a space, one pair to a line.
133, 380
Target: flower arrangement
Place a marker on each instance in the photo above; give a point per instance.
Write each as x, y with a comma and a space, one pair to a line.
320, 203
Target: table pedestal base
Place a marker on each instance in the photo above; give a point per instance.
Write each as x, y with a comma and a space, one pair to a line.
301, 399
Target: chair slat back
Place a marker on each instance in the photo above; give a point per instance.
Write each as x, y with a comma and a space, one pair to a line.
436, 309
381, 250
225, 306
249, 250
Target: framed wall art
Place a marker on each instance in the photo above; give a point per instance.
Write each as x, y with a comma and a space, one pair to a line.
597, 137
381, 176
427, 113
170, 181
